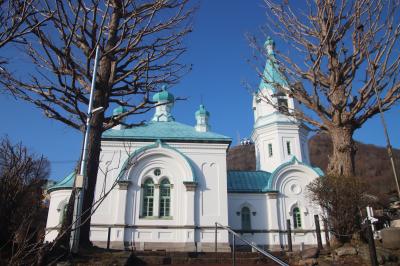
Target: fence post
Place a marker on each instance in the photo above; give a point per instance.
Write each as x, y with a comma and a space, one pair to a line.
108, 238
216, 240
326, 229
371, 244
289, 235
318, 231
233, 250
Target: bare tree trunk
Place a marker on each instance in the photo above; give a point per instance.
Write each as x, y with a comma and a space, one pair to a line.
341, 162
92, 166
67, 221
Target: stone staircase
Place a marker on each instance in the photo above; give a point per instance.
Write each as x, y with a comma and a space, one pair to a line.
199, 258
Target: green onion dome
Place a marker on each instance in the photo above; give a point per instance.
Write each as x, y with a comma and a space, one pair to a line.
163, 96
202, 111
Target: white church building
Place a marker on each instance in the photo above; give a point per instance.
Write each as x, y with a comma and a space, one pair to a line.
168, 182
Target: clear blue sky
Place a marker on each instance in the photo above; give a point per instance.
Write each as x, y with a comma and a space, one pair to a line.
218, 51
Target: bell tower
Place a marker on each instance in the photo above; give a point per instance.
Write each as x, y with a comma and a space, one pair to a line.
277, 137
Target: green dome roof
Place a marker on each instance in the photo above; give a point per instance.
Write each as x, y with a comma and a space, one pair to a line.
66, 183
202, 111
163, 96
119, 110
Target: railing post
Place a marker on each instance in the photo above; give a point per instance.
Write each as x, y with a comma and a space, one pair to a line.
108, 238
289, 235
216, 241
326, 229
371, 244
233, 250
318, 231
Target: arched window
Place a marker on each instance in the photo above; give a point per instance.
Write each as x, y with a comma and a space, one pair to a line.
282, 102
296, 218
165, 198
63, 211
246, 220
148, 198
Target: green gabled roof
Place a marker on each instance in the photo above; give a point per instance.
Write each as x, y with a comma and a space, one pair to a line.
66, 183
248, 181
164, 131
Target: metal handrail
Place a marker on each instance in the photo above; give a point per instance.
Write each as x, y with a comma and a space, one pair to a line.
263, 252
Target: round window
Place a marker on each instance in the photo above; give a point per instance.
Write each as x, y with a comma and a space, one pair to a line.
157, 172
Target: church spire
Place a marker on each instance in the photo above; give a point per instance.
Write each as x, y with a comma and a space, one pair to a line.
277, 136
271, 75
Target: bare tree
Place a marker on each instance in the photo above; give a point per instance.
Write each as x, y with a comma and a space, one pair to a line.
141, 43
342, 199
339, 53
22, 177
13, 26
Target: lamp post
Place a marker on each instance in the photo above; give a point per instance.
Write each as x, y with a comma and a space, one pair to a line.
80, 180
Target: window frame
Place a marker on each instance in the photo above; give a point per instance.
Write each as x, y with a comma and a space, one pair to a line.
63, 211
245, 224
288, 147
148, 200
270, 151
282, 102
164, 200
296, 215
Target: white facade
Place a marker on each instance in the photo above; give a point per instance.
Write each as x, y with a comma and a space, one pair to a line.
195, 205
167, 183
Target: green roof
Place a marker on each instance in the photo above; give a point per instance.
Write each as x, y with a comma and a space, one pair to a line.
272, 75
269, 41
248, 181
163, 96
119, 110
260, 181
66, 183
171, 130
202, 111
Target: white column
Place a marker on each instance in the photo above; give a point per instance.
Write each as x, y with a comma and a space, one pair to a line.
121, 209
189, 205
272, 219
156, 204
189, 222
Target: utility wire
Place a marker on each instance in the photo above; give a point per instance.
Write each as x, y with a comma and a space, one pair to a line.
388, 144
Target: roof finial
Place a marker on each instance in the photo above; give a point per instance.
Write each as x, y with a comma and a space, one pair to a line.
269, 45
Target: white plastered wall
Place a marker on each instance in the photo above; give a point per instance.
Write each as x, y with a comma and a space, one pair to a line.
58, 199
277, 134
121, 209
